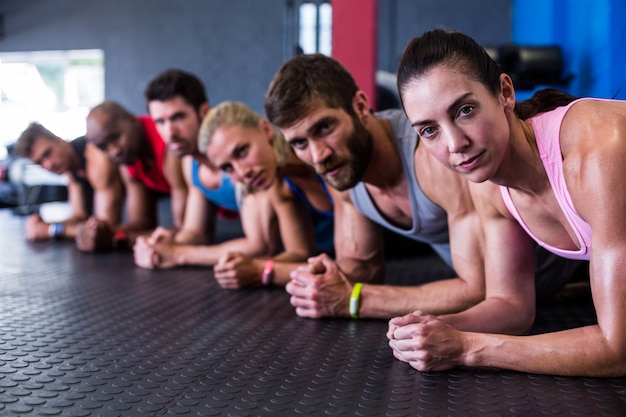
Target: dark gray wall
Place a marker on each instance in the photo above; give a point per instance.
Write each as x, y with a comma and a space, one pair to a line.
488, 21
235, 46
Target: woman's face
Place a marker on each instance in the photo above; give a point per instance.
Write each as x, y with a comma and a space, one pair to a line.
245, 154
459, 121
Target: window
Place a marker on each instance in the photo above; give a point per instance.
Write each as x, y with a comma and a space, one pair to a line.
315, 27
54, 88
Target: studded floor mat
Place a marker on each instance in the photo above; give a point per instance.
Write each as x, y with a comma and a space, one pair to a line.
91, 335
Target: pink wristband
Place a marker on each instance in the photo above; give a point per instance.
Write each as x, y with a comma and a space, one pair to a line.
268, 271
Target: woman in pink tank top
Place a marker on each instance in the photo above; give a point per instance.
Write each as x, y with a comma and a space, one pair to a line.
549, 168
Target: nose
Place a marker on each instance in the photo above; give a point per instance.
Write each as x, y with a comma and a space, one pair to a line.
457, 141
241, 171
113, 151
46, 164
319, 152
165, 129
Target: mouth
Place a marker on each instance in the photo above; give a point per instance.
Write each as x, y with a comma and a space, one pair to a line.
470, 163
122, 160
256, 181
329, 172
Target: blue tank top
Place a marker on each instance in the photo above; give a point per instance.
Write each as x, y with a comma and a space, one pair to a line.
430, 221
224, 196
323, 221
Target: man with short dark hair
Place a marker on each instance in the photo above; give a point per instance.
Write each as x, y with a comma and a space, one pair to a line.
94, 187
177, 102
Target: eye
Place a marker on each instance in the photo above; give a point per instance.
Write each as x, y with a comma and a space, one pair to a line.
323, 128
178, 117
466, 110
298, 144
101, 145
111, 138
241, 151
427, 132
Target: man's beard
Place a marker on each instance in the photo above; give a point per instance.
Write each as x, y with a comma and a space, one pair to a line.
360, 145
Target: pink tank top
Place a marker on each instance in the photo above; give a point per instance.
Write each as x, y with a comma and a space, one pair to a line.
547, 127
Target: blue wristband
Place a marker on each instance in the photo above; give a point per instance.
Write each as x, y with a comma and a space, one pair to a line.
56, 230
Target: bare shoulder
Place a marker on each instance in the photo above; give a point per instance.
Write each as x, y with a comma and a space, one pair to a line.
594, 126
593, 144
441, 185
593, 141
186, 167
487, 199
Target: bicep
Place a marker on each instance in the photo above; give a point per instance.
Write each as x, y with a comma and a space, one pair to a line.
76, 199
600, 199
200, 213
176, 179
140, 202
108, 197
508, 251
259, 225
467, 246
356, 236
296, 227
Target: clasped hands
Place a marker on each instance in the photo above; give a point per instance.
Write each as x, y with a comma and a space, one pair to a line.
427, 343
94, 235
156, 250
319, 289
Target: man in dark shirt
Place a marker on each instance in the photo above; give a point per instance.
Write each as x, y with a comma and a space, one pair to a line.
94, 186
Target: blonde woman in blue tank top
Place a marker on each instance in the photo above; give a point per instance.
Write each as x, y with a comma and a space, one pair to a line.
286, 211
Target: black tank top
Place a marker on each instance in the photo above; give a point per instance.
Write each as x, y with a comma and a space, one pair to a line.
79, 146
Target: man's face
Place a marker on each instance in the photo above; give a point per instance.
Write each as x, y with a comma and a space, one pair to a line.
178, 123
333, 142
50, 155
121, 142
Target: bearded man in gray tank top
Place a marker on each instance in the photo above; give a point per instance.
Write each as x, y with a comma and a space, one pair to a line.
381, 178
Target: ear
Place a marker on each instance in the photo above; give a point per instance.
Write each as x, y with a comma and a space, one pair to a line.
267, 129
507, 92
361, 105
203, 110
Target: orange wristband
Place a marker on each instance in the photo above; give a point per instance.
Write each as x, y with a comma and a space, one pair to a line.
268, 271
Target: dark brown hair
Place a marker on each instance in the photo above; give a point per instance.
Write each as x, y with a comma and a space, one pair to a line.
459, 51
34, 131
175, 82
303, 79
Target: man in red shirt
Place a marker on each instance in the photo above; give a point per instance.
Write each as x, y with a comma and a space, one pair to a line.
148, 171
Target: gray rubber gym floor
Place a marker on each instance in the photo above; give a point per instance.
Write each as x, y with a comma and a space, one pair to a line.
91, 335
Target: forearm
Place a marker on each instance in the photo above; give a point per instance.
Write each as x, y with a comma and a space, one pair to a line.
362, 271
440, 297
282, 270
208, 255
494, 315
67, 229
284, 263
577, 352
191, 237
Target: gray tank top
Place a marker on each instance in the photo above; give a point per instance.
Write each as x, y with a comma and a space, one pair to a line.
430, 221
